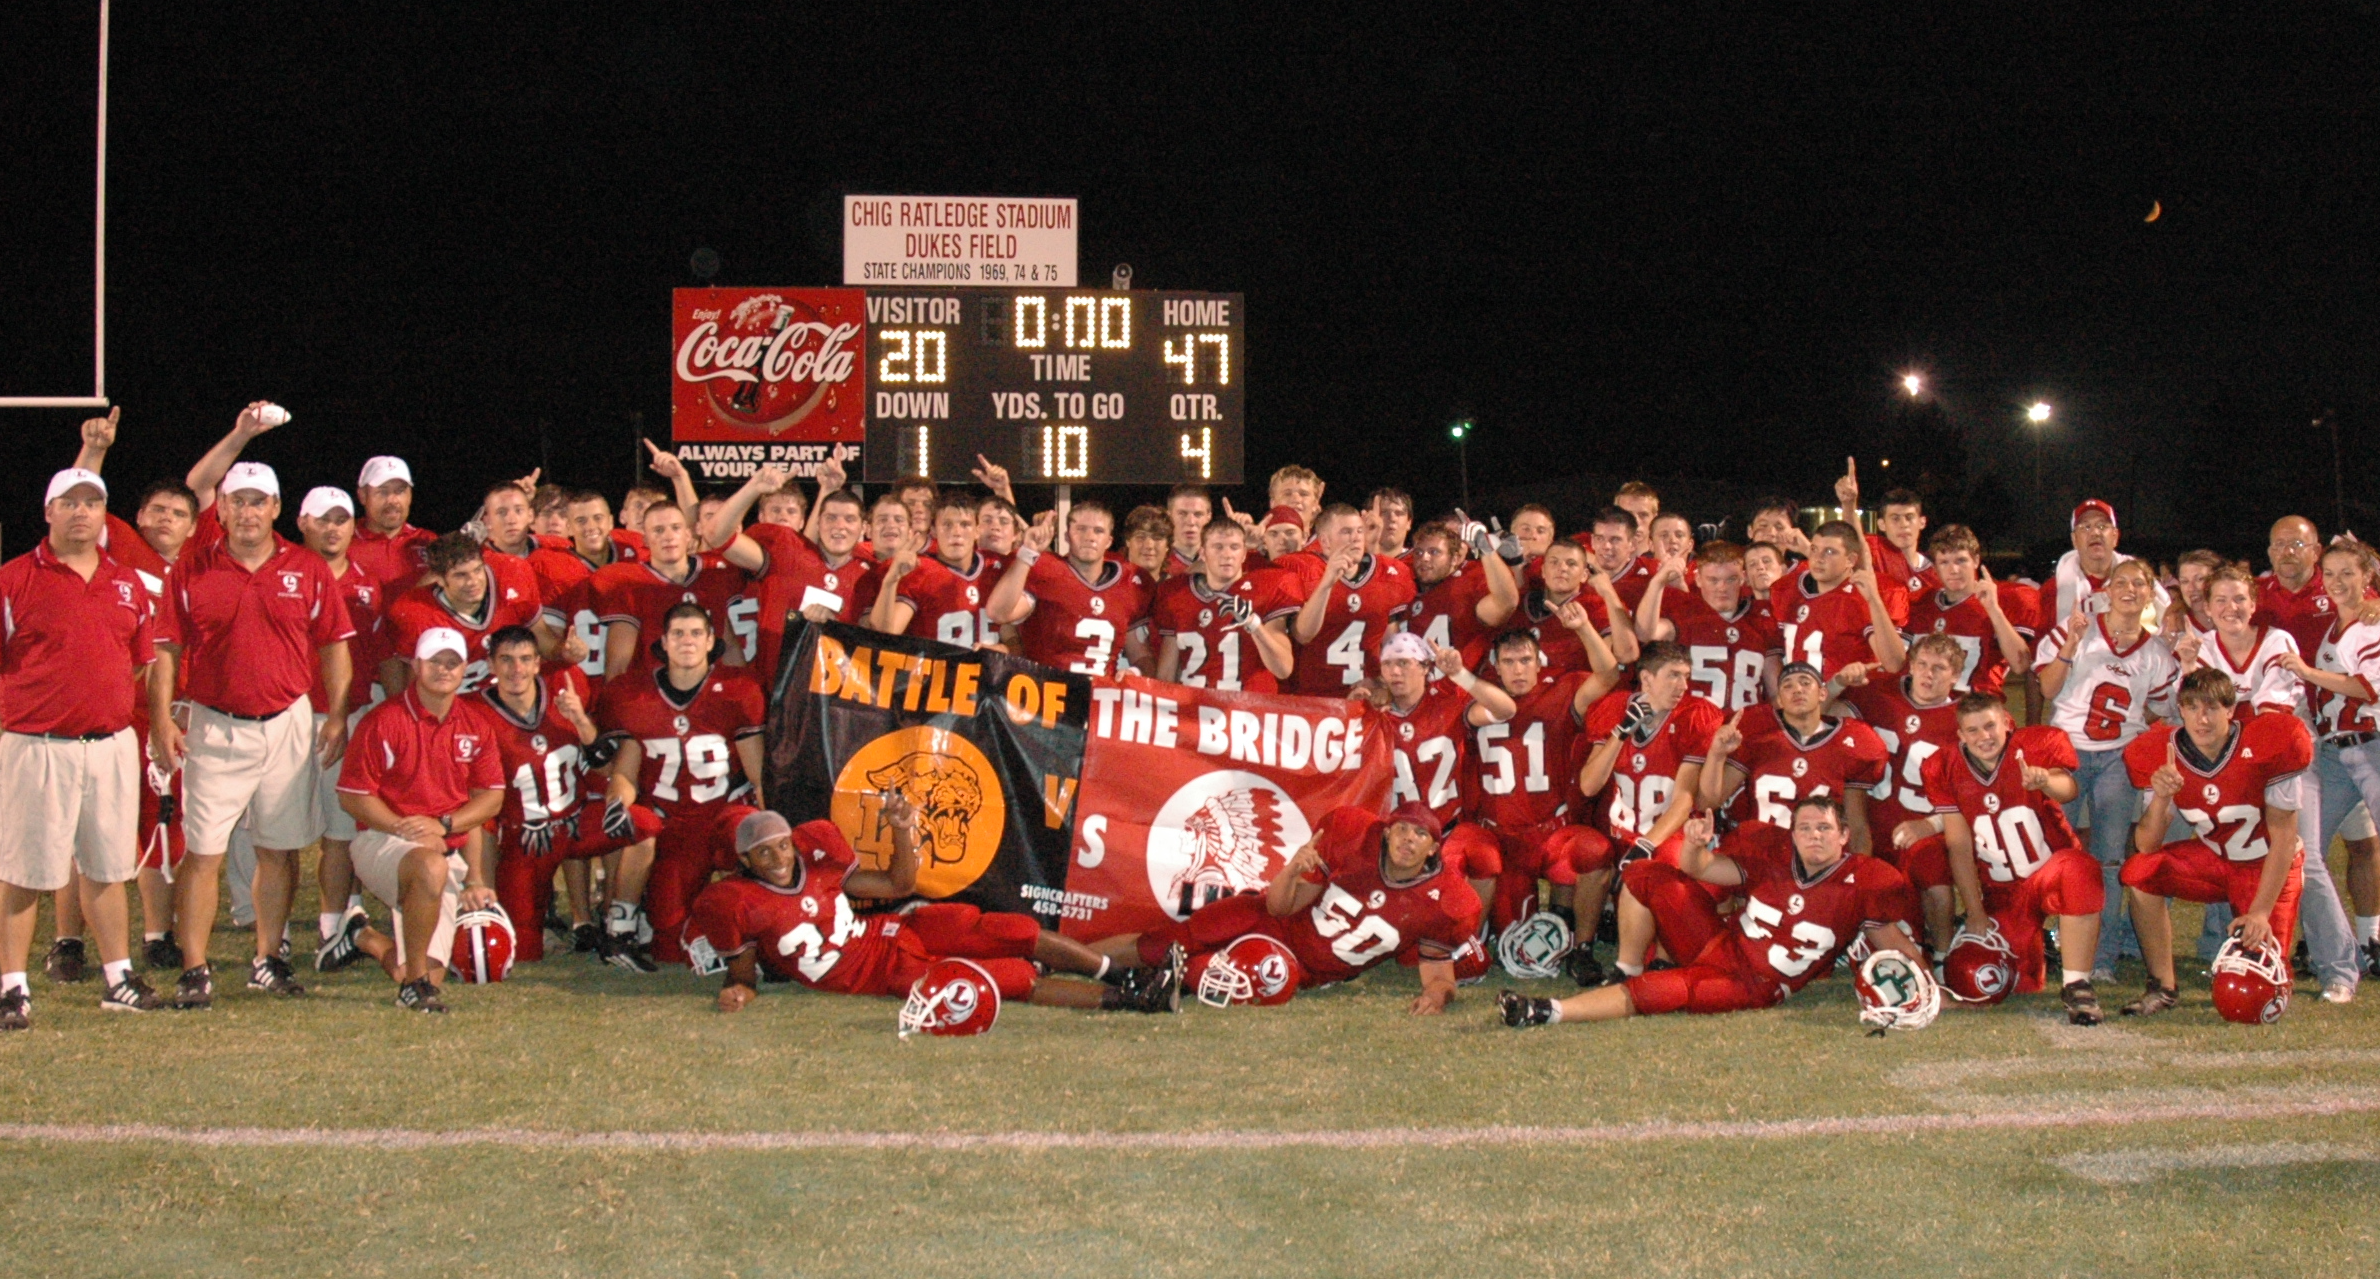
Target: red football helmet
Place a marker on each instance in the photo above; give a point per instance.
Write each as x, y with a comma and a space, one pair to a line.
2251, 983
1253, 969
1979, 970
483, 946
955, 997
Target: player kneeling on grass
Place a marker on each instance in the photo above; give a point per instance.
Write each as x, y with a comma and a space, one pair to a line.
421, 779
789, 911
1801, 912
1365, 888
2236, 781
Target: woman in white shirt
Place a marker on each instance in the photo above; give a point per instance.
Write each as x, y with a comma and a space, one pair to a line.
2340, 684
2106, 677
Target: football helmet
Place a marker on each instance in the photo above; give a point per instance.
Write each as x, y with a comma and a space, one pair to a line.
1979, 969
954, 997
483, 946
1534, 947
1253, 969
1896, 993
2251, 982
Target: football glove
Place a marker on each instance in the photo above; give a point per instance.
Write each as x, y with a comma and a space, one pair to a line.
1637, 852
618, 822
1474, 535
1508, 547
537, 838
1633, 723
600, 753
1241, 612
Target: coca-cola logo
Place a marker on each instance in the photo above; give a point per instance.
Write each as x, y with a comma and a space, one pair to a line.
769, 361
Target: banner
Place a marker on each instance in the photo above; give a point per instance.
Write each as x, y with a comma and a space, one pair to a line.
934, 240
986, 745
767, 376
1189, 795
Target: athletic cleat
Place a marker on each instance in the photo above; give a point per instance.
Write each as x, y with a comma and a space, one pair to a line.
420, 996
67, 961
131, 995
16, 1011
2082, 1004
341, 951
283, 951
162, 954
196, 990
1581, 966
1613, 976
558, 925
1158, 989
585, 939
2154, 1000
2052, 956
2371, 959
274, 976
1520, 1010
621, 950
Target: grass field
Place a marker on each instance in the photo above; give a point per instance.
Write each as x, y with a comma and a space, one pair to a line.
583, 1121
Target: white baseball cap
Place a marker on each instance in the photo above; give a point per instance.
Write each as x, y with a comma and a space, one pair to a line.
380, 470
251, 477
441, 639
68, 480
321, 501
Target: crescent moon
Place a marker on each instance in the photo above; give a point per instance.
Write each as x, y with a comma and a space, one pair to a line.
2156, 210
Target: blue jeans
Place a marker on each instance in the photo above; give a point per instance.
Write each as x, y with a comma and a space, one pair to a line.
2114, 807
2346, 776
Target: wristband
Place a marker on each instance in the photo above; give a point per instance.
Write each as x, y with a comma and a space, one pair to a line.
1026, 552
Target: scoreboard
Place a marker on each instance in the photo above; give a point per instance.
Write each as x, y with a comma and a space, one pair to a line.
1061, 386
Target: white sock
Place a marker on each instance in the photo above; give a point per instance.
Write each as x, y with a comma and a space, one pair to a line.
1632, 970
328, 921
12, 981
2367, 928
1556, 1018
2073, 976
1104, 964
152, 936
355, 901
620, 918
116, 971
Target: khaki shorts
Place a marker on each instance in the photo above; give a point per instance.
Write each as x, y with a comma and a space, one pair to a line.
376, 856
66, 804
261, 769
2358, 824
336, 824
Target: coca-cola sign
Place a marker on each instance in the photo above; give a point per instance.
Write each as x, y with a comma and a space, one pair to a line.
764, 366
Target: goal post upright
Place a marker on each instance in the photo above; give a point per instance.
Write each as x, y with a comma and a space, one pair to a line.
97, 399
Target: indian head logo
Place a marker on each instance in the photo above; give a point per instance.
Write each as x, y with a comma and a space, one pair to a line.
961, 812
1224, 833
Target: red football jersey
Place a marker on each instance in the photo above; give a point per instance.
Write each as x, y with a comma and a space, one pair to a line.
1899, 579
1792, 929
1564, 654
638, 593
1828, 629
1912, 734
948, 603
1080, 626
1360, 920
807, 932
2224, 800
1644, 780
1447, 614
1523, 767
1428, 742
540, 752
796, 572
2015, 829
1782, 769
511, 601
1986, 667
567, 585
689, 743
1359, 615
1215, 652
1729, 654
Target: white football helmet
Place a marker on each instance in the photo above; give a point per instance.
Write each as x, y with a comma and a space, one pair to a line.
1897, 993
1533, 948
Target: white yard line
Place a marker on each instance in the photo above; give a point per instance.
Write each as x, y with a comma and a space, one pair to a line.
1658, 1130
2129, 1166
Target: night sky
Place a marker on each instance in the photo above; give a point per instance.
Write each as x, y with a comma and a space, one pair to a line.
1696, 252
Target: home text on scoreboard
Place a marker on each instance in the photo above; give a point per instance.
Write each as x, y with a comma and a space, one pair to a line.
1061, 386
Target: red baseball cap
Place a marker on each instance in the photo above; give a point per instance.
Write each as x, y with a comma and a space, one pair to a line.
2093, 506
1415, 813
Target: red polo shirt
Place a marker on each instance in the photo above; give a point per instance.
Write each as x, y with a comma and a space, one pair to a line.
419, 764
250, 641
2305, 613
394, 561
68, 648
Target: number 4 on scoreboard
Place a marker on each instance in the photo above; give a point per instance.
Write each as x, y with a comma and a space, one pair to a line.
1203, 453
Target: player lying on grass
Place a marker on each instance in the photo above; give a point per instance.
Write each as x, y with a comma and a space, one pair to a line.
1365, 888
2237, 781
789, 912
1802, 910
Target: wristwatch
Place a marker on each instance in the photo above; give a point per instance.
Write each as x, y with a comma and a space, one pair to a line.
446, 822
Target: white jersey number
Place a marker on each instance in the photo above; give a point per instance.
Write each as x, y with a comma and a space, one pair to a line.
1355, 937
704, 758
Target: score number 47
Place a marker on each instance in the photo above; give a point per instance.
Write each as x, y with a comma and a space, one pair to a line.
1185, 356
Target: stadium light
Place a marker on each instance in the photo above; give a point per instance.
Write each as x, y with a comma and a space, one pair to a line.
1460, 433
2038, 412
1914, 384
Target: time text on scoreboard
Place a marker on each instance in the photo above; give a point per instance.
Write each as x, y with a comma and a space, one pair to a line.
1061, 386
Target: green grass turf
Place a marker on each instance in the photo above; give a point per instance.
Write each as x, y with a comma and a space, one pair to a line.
568, 1046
